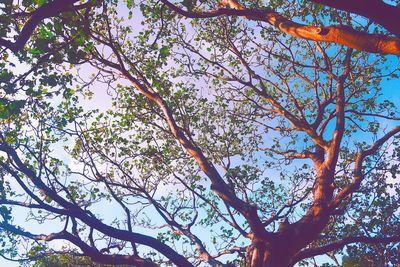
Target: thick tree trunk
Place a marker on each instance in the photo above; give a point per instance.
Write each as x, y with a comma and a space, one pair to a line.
288, 241
279, 250
268, 259
262, 254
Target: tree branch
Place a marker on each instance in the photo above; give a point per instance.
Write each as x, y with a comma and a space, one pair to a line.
48, 10
340, 34
92, 252
311, 252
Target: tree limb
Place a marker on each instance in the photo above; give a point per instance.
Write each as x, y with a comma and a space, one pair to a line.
48, 10
92, 252
340, 34
311, 252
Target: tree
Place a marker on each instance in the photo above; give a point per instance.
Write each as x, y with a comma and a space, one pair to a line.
228, 144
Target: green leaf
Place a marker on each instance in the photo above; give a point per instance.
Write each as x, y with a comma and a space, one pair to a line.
318, 8
36, 51
164, 51
9, 108
40, 2
129, 3
80, 39
48, 199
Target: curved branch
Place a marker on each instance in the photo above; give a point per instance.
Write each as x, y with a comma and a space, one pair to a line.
89, 251
311, 252
339, 34
48, 10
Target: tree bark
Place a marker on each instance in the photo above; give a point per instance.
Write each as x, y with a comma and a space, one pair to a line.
276, 253
267, 255
288, 242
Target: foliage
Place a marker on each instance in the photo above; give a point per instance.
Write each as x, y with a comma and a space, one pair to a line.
69, 261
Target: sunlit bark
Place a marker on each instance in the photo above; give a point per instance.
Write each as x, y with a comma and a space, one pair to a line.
340, 34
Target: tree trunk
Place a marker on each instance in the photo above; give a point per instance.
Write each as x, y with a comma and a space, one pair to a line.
260, 254
279, 250
289, 240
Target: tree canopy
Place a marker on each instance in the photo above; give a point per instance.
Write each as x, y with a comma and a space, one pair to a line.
199, 133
